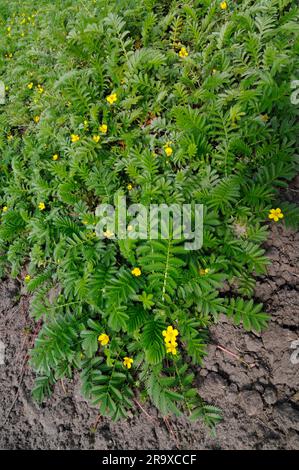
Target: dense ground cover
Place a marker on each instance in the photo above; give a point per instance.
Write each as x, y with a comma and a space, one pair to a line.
164, 102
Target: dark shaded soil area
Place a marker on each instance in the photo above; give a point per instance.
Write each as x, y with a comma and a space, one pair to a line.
253, 378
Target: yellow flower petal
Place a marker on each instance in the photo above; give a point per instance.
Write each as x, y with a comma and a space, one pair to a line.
103, 128
183, 52
223, 5
96, 138
103, 339
111, 98
275, 214
168, 151
128, 361
75, 138
136, 272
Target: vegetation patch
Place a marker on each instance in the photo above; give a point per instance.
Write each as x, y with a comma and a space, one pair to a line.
161, 102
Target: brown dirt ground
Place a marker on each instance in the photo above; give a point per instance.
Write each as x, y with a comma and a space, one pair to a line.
260, 400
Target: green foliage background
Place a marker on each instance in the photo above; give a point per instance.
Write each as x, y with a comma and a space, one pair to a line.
226, 109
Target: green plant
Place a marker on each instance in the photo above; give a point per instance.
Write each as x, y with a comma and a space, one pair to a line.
198, 111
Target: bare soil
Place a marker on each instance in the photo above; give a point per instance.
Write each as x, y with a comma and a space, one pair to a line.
251, 377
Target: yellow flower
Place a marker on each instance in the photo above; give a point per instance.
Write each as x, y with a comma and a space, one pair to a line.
30, 85
136, 272
41, 206
223, 5
111, 98
103, 339
36, 119
4, 209
75, 138
108, 234
96, 138
130, 187
128, 361
9, 137
275, 214
27, 278
171, 348
55, 157
40, 89
204, 271
8, 29
264, 117
168, 151
130, 228
170, 335
103, 128
183, 52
